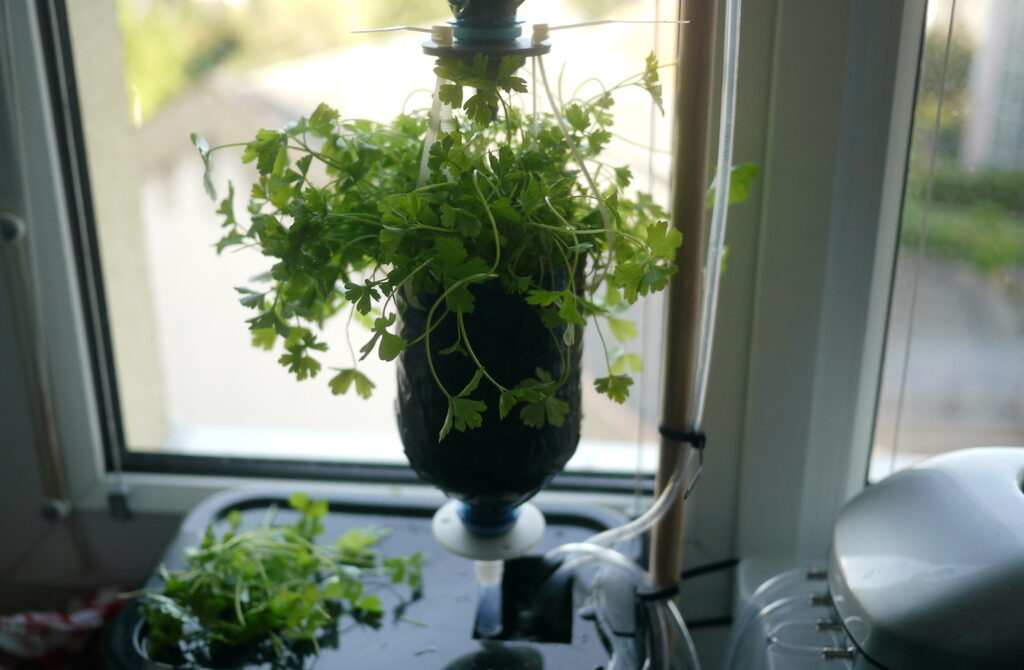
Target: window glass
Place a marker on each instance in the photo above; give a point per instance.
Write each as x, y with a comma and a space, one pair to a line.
954, 366
150, 72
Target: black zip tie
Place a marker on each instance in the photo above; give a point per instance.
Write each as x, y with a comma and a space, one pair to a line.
647, 594
709, 568
696, 438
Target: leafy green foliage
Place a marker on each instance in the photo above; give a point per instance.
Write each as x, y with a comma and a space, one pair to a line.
342, 381
741, 181
504, 200
271, 585
614, 386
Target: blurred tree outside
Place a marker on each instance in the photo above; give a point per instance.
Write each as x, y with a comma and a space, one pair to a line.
975, 216
170, 44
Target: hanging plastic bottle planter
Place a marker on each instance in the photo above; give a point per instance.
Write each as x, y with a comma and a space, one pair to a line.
476, 240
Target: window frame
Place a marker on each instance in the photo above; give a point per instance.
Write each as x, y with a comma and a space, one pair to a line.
736, 508
68, 139
805, 454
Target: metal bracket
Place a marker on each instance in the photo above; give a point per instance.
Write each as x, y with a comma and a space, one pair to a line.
835, 653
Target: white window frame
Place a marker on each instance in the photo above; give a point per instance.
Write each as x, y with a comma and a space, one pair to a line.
811, 252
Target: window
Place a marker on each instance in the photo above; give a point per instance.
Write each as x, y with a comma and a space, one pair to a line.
803, 299
954, 364
185, 386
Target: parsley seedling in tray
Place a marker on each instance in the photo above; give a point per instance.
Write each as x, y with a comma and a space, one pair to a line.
271, 587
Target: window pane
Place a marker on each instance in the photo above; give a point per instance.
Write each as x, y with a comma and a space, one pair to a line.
954, 367
150, 72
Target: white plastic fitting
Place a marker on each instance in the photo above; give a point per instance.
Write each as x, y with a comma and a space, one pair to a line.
442, 36
541, 33
489, 572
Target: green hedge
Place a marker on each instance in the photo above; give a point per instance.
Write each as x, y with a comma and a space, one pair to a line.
956, 186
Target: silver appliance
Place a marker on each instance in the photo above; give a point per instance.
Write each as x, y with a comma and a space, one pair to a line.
926, 572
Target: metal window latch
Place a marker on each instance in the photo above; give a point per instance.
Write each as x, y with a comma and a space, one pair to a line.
12, 228
834, 653
55, 509
117, 501
820, 599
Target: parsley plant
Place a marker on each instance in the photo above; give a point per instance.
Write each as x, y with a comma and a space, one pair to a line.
511, 196
271, 586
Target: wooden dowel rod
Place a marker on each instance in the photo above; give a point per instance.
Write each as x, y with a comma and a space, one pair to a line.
693, 105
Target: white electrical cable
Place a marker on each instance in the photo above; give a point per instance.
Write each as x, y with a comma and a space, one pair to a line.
593, 549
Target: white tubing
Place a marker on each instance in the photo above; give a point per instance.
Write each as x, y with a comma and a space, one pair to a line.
650, 517
638, 576
439, 120
716, 239
593, 549
489, 612
609, 556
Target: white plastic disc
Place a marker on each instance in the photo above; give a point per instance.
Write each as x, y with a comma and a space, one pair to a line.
453, 536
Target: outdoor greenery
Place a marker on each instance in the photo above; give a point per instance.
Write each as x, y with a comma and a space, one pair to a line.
975, 216
504, 196
982, 234
955, 185
270, 586
169, 45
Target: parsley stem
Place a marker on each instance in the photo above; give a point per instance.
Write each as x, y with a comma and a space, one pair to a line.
397, 287
430, 319
490, 217
577, 157
472, 354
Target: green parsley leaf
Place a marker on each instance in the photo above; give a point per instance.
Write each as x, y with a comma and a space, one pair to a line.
622, 329
547, 410
663, 240
390, 346
506, 402
344, 380
615, 387
623, 362
460, 300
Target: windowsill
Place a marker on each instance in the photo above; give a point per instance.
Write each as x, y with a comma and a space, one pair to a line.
376, 447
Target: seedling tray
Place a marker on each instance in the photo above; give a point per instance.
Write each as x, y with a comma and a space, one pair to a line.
433, 632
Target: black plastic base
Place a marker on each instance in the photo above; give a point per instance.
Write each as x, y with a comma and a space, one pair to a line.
542, 627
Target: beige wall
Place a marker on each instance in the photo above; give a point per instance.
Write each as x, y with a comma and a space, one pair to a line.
112, 152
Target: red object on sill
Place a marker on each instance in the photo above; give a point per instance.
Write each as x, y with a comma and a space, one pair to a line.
56, 640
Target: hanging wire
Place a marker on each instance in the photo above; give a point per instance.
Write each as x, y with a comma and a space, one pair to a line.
389, 29
646, 309
919, 252
603, 22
